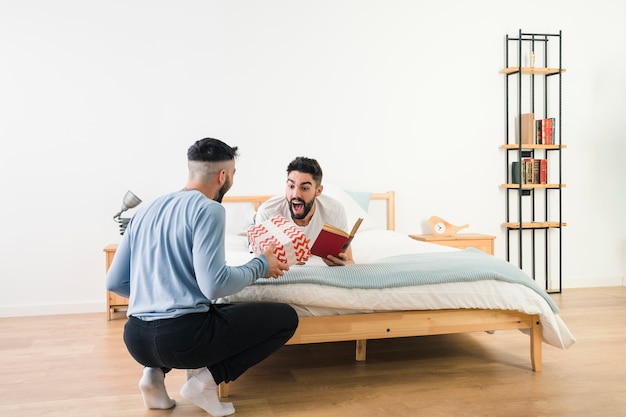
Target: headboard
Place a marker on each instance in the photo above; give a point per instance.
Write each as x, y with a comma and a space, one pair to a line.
388, 197
390, 209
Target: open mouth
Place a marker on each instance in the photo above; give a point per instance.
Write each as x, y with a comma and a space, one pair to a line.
297, 206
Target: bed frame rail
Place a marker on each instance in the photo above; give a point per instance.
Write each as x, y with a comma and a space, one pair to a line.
361, 327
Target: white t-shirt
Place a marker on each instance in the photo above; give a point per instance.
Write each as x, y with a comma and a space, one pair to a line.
327, 210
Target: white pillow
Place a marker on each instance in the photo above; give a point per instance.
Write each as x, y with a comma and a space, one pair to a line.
239, 217
352, 207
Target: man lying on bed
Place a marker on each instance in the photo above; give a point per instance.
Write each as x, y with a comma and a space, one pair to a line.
304, 204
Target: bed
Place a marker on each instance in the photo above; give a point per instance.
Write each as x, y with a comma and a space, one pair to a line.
400, 287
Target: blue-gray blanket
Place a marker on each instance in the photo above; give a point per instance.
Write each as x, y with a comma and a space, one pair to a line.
414, 269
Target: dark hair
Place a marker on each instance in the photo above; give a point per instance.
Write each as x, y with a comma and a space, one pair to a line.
307, 166
211, 150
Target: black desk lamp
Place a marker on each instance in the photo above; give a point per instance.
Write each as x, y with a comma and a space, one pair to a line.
130, 201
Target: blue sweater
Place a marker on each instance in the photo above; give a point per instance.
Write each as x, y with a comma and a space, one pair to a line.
171, 260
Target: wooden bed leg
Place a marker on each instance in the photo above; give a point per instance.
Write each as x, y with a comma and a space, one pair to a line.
536, 340
361, 350
222, 390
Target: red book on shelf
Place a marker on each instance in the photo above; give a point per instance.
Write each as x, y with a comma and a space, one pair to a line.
547, 131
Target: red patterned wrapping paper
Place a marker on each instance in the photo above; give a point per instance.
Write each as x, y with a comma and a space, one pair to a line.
292, 245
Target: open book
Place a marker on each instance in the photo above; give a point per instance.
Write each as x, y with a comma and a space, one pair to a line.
332, 240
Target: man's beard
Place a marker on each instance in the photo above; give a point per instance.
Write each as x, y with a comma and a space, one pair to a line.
307, 207
223, 190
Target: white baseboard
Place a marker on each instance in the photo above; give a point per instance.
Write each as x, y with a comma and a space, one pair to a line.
572, 282
52, 309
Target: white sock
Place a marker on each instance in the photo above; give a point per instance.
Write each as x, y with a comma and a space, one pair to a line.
193, 372
201, 390
152, 387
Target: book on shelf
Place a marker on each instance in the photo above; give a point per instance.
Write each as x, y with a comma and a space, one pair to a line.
333, 241
539, 131
528, 133
529, 171
543, 171
548, 128
536, 170
544, 131
515, 172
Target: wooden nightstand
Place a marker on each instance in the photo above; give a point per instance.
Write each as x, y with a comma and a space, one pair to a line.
114, 302
461, 241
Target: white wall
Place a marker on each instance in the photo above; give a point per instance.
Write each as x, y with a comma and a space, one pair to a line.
97, 97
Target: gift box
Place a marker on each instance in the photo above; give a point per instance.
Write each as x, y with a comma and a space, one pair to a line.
292, 245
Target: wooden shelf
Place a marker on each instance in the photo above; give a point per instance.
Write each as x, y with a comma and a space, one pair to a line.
527, 92
525, 146
532, 70
533, 225
531, 186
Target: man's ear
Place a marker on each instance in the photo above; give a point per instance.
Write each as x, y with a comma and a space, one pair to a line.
221, 176
319, 190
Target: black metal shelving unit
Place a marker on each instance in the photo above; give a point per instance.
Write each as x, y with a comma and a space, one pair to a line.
534, 223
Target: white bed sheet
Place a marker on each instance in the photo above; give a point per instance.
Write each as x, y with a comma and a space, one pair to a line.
371, 246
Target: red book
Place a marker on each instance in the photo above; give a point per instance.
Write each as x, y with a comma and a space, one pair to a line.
547, 131
333, 241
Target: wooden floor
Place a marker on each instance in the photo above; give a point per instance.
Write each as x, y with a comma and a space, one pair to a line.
77, 365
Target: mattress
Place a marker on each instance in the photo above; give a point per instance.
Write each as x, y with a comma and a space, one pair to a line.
312, 290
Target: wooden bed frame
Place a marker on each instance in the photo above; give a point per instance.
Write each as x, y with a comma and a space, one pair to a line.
361, 327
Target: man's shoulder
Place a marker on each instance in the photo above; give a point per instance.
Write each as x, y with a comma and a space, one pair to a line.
271, 207
195, 199
329, 202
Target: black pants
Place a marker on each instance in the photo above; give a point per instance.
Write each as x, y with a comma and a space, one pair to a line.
228, 339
